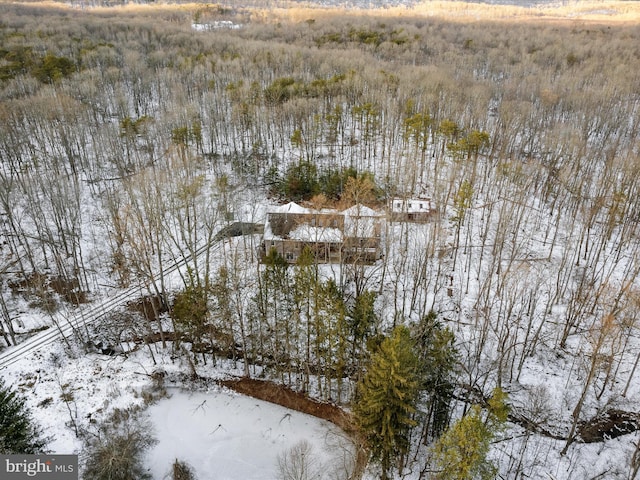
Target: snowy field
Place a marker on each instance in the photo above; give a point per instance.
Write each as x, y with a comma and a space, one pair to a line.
220, 434
233, 437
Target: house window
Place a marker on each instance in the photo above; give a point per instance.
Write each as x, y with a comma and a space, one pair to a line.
421, 206
288, 256
410, 206
313, 222
335, 222
398, 205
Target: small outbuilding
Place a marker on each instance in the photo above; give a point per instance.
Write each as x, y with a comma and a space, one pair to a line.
418, 210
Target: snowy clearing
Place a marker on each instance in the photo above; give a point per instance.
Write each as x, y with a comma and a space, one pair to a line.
236, 437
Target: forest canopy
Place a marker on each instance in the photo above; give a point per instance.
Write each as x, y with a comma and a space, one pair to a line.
131, 136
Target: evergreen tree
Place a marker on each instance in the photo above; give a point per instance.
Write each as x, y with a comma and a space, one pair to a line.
332, 181
461, 452
438, 359
18, 434
305, 294
387, 398
224, 317
270, 334
363, 326
300, 182
191, 312
337, 344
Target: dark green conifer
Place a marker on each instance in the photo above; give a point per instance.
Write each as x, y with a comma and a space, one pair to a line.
18, 433
438, 359
387, 398
461, 452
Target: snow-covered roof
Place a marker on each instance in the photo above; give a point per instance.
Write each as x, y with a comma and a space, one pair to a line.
361, 211
360, 227
359, 221
290, 207
309, 233
268, 233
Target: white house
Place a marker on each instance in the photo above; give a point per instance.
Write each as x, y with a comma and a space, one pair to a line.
420, 209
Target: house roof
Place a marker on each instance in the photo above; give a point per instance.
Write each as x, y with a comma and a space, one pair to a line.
359, 210
308, 233
268, 233
290, 207
361, 227
359, 221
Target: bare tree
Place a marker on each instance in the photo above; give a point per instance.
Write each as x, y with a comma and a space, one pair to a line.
299, 463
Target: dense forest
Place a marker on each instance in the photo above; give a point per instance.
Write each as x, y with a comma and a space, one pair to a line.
130, 137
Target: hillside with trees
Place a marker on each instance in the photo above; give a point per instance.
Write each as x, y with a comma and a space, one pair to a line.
499, 338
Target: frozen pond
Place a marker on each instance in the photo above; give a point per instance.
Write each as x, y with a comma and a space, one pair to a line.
233, 437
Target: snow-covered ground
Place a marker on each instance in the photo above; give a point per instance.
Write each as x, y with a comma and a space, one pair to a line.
233, 437
228, 433
218, 433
